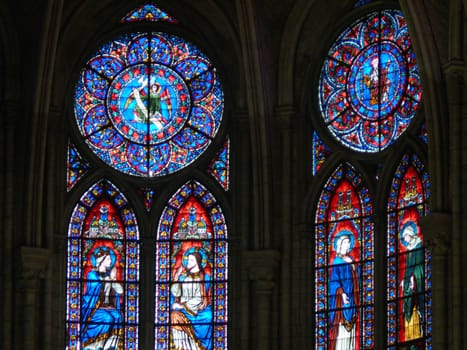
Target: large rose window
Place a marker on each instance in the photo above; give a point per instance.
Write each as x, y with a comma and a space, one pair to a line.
148, 104
370, 88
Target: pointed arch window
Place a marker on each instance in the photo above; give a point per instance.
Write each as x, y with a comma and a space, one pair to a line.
103, 271
409, 270
147, 104
369, 94
344, 263
191, 272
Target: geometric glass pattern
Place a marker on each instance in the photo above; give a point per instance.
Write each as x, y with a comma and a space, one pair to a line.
148, 13
219, 167
148, 103
409, 268
191, 272
370, 89
102, 272
77, 167
344, 293
320, 153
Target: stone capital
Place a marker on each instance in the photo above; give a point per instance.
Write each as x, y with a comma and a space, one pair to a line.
285, 114
34, 262
262, 265
436, 228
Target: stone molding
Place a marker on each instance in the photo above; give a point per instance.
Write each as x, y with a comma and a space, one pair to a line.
262, 266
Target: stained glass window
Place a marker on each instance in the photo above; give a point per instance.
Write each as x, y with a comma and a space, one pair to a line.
370, 89
320, 153
150, 13
77, 166
191, 272
102, 272
220, 166
148, 103
409, 272
344, 263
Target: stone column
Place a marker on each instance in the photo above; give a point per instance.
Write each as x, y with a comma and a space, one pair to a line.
263, 266
436, 229
34, 262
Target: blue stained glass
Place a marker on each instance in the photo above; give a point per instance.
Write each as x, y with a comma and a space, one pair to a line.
320, 153
191, 246
77, 166
370, 88
362, 2
103, 241
148, 13
220, 166
148, 104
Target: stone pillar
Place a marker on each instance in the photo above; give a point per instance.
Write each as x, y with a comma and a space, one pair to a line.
263, 266
436, 229
34, 262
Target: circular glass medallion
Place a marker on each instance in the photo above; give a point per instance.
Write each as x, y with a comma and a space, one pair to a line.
369, 87
376, 81
148, 104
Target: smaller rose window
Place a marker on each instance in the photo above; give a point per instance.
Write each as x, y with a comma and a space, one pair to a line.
369, 87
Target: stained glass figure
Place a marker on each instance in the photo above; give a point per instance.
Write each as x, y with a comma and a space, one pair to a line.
148, 104
102, 272
369, 89
344, 264
320, 153
220, 167
148, 13
148, 197
409, 271
191, 272
77, 167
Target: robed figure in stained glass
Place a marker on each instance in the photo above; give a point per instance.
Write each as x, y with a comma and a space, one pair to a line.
412, 282
191, 315
147, 101
343, 294
102, 303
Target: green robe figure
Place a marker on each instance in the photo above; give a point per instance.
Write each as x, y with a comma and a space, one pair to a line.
412, 283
